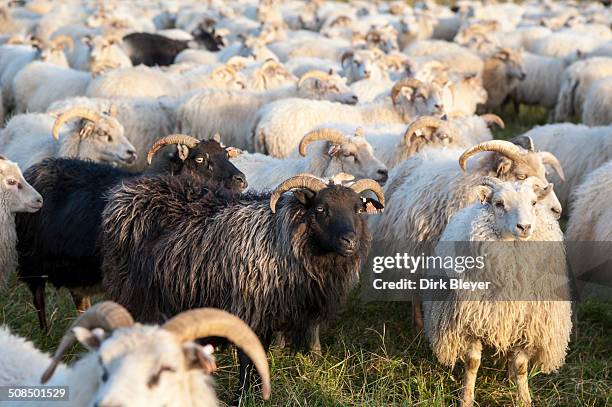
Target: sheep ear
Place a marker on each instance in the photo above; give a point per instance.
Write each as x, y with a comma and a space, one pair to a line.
525, 142
334, 149
484, 193
305, 196
91, 339
504, 166
217, 137
200, 357
371, 206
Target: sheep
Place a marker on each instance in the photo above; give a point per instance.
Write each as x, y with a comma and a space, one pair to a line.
563, 44
99, 137
590, 220
93, 53
107, 373
362, 64
304, 251
231, 113
278, 124
75, 192
595, 111
332, 152
16, 195
580, 150
576, 82
526, 319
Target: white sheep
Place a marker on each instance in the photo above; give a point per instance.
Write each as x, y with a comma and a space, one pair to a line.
526, 314
231, 113
563, 44
324, 153
580, 150
278, 124
132, 364
16, 195
591, 214
576, 82
596, 110
30, 138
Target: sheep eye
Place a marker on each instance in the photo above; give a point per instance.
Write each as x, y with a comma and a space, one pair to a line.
499, 204
521, 177
533, 203
320, 209
11, 182
199, 160
154, 380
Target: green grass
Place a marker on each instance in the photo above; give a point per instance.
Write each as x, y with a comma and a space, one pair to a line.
373, 357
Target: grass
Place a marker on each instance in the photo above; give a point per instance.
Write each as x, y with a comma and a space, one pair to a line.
372, 356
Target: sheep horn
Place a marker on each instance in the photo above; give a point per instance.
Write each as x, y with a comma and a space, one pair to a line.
63, 40
270, 63
227, 68
506, 148
550, 159
369, 185
332, 135
313, 74
81, 112
411, 82
107, 315
188, 141
299, 181
207, 322
491, 118
428, 121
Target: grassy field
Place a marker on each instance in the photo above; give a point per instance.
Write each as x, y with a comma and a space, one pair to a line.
372, 356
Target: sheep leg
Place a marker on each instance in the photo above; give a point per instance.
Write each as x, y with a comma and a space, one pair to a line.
518, 370
244, 381
316, 340
39, 304
417, 313
81, 302
472, 363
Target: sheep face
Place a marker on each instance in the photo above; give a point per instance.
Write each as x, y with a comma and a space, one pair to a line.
145, 366
362, 64
54, 55
271, 75
421, 100
104, 141
106, 52
335, 218
356, 157
513, 62
211, 40
15, 190
383, 38
332, 88
228, 78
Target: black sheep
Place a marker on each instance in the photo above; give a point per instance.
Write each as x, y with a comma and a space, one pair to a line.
171, 244
58, 243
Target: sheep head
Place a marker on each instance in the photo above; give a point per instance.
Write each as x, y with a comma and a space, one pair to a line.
97, 136
414, 98
362, 64
512, 161
427, 131
513, 204
330, 86
384, 38
53, 50
105, 51
333, 213
348, 154
157, 365
228, 77
15, 190
207, 158
503, 70
271, 74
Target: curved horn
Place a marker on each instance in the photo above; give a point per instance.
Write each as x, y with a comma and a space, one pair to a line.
206, 322
313, 74
428, 121
331, 135
550, 159
270, 63
506, 148
412, 82
81, 112
369, 185
63, 40
188, 141
107, 315
491, 118
299, 181
222, 68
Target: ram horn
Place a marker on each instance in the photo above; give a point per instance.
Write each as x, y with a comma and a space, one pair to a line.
411, 82
332, 135
184, 139
550, 159
506, 148
428, 121
369, 185
63, 40
226, 68
299, 181
107, 315
313, 74
491, 118
208, 322
270, 64
81, 112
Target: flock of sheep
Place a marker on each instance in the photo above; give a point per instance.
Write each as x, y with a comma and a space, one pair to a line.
159, 141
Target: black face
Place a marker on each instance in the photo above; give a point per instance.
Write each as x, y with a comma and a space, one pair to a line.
337, 218
209, 40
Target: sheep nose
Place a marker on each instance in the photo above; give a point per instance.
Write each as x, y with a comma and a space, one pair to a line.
240, 180
131, 156
348, 242
439, 107
523, 228
383, 175
354, 99
522, 76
